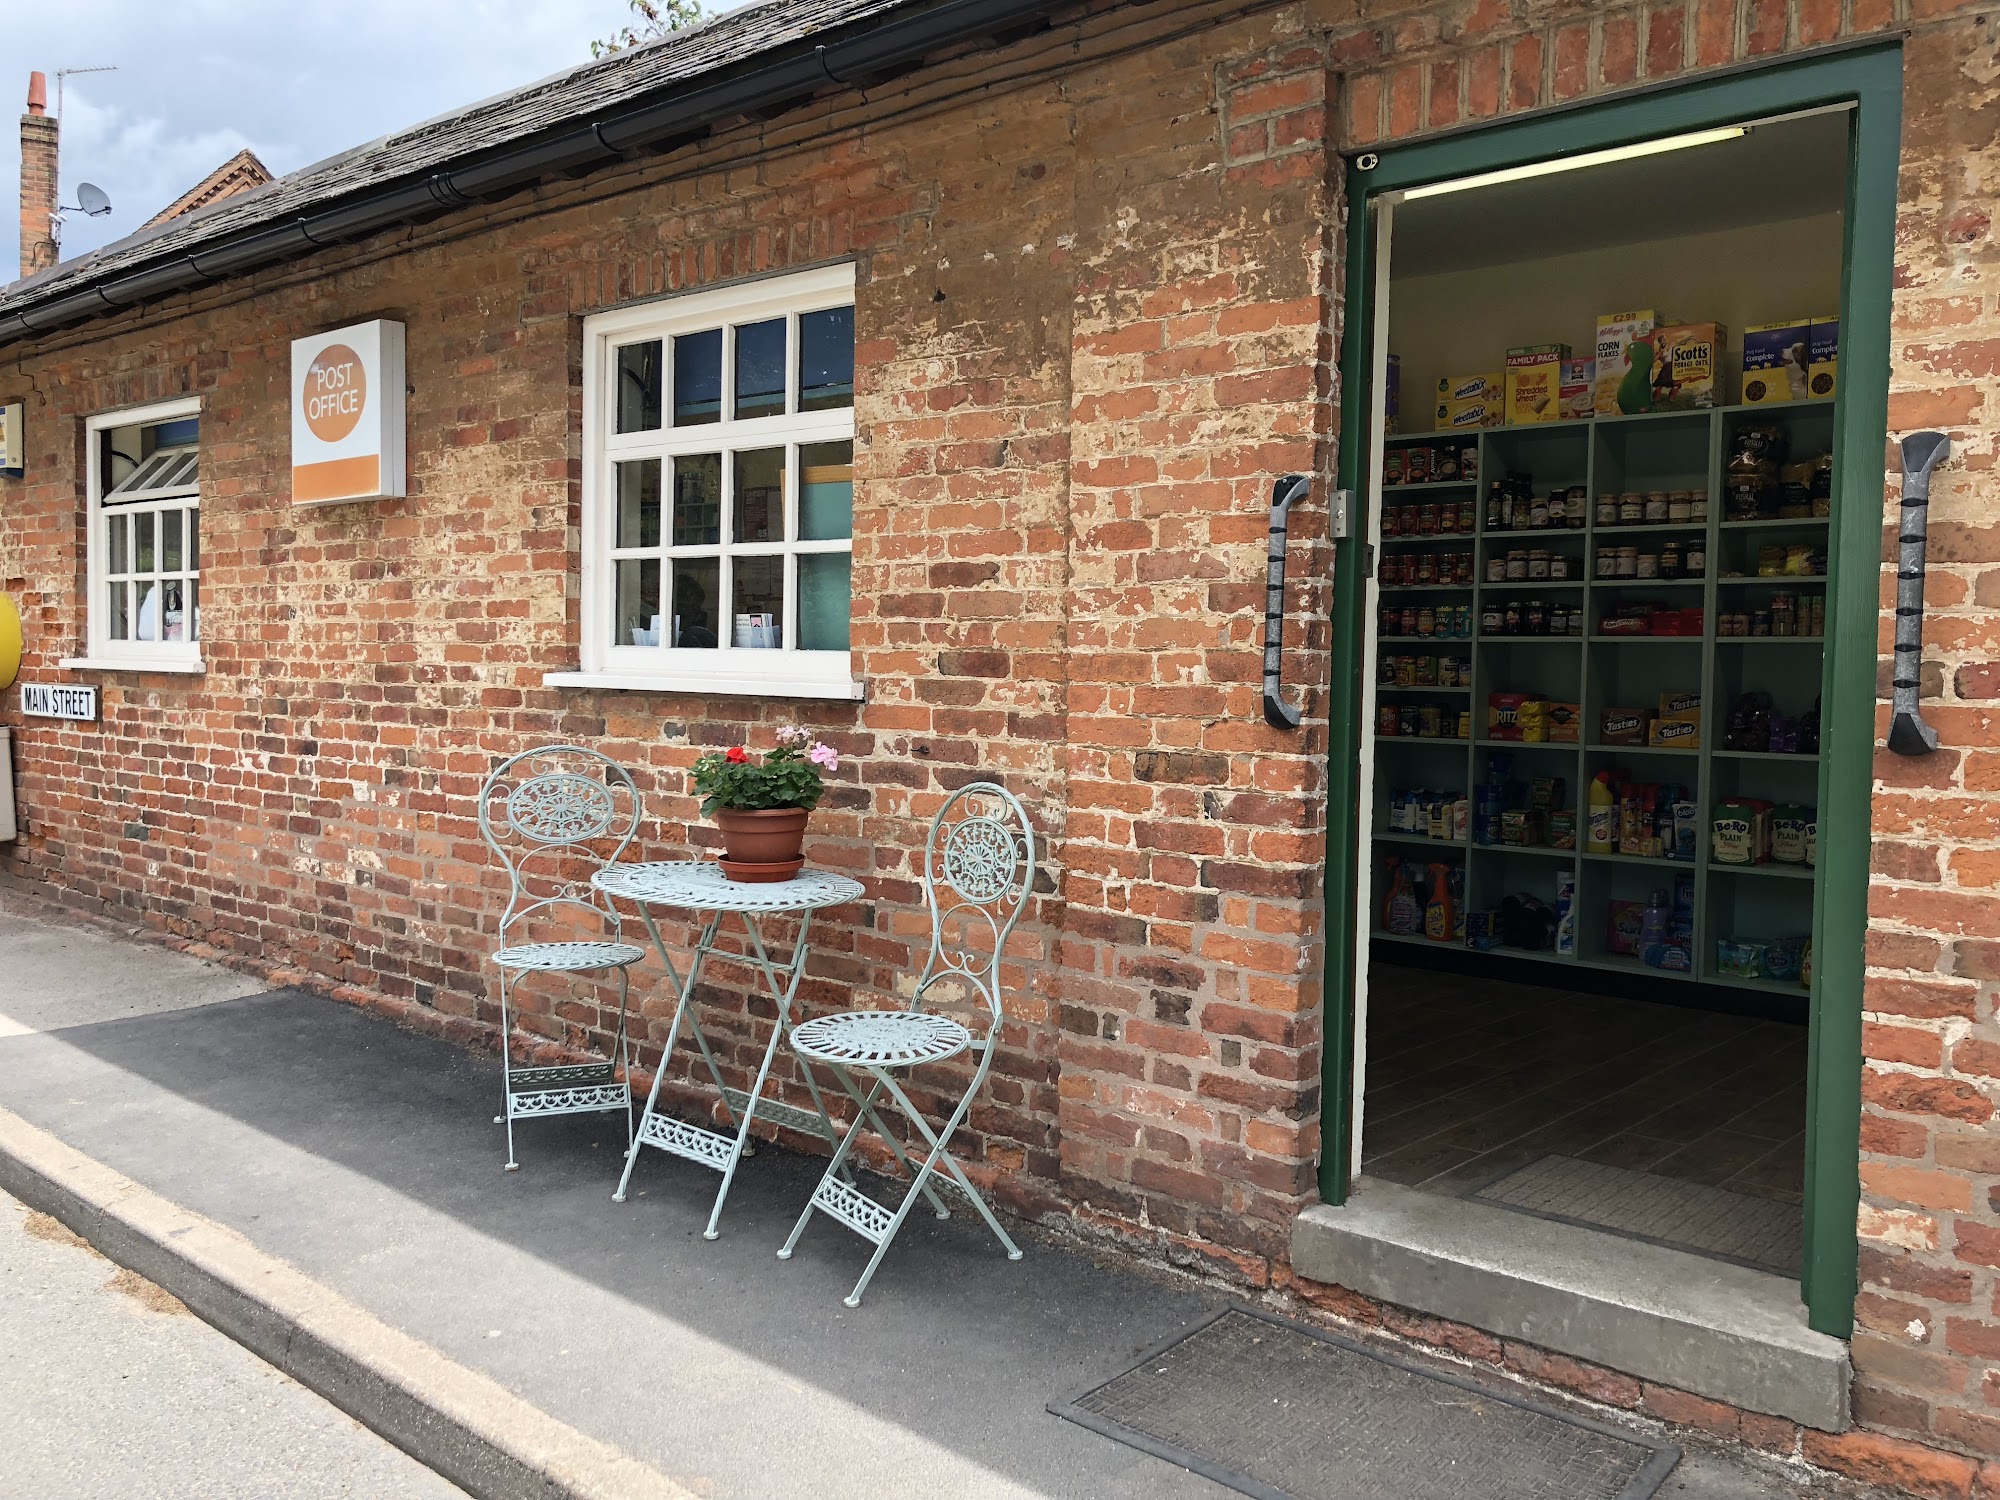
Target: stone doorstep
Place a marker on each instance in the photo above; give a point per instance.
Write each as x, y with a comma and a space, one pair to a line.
1726, 1332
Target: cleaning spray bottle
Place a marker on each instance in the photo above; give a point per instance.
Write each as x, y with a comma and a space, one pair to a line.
1400, 914
1440, 919
1601, 832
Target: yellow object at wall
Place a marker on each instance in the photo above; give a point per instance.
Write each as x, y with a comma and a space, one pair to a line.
10, 642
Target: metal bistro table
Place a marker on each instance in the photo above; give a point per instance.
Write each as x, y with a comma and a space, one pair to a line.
692, 887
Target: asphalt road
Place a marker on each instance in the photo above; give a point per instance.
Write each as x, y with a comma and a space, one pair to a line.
110, 1388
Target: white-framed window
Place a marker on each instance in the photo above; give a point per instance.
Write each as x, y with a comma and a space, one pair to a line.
143, 545
718, 491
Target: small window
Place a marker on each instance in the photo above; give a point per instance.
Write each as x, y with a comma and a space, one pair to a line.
144, 606
719, 491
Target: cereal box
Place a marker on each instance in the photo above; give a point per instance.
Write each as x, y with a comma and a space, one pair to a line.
1687, 365
1775, 361
1616, 333
1534, 382
1823, 357
1578, 393
1489, 385
1464, 415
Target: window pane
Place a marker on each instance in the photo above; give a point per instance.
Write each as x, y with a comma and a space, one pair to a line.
639, 387
760, 496
698, 501
698, 378
194, 609
760, 369
826, 359
639, 503
826, 491
638, 621
147, 626
173, 616
194, 541
120, 557
697, 583
170, 541
178, 433
760, 602
142, 545
824, 590
120, 623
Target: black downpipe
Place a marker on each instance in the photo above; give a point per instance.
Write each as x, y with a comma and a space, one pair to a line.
1286, 493
1908, 733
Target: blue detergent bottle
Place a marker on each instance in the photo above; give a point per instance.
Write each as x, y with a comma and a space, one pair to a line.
1653, 931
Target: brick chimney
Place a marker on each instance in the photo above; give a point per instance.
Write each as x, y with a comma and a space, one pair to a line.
38, 179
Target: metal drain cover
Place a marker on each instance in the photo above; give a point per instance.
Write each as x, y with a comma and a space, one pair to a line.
1287, 1413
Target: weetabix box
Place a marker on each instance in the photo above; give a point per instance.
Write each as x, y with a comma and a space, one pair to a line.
1484, 385
1823, 358
1454, 416
1616, 333
1578, 395
1687, 365
1534, 382
1775, 361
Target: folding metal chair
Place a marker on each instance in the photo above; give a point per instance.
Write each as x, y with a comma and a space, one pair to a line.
979, 865
550, 815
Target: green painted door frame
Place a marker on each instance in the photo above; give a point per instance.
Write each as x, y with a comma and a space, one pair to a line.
1871, 79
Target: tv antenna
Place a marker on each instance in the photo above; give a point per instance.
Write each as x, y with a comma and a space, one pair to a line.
62, 73
91, 200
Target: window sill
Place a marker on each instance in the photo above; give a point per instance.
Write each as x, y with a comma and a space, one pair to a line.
836, 689
182, 666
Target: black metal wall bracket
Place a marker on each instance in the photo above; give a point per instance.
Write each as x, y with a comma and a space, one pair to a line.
1908, 733
1285, 493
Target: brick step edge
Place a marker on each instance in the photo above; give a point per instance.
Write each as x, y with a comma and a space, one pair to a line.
465, 1426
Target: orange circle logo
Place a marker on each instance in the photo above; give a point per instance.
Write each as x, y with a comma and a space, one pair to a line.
336, 389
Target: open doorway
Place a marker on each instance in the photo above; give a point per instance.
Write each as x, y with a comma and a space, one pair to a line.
1602, 500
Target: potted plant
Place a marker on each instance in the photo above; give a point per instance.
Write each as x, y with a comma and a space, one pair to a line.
761, 805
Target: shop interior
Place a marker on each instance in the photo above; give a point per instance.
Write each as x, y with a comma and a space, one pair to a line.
1597, 614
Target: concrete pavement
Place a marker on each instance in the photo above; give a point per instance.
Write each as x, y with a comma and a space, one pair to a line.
111, 1389
364, 1156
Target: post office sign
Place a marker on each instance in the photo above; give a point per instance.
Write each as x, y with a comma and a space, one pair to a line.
347, 414
49, 700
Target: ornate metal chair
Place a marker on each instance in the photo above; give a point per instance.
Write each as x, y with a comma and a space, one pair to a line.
551, 815
979, 865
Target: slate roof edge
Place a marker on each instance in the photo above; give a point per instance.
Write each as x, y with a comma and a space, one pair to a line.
268, 225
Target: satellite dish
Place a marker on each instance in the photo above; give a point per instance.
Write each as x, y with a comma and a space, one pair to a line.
92, 199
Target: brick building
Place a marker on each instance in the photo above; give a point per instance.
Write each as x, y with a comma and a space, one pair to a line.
1098, 259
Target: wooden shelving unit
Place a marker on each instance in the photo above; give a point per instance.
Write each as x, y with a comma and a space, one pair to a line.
1661, 450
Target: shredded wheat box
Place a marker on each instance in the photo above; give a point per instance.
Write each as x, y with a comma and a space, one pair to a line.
1534, 382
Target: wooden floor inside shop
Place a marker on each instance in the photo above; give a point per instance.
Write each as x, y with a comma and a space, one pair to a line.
1661, 1122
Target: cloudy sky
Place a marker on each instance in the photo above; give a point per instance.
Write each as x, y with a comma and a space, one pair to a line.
198, 80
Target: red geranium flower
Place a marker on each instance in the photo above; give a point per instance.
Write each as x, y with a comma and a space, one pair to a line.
737, 755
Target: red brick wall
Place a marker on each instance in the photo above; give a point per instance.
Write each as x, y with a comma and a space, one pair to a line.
1927, 1349
1090, 331
1098, 297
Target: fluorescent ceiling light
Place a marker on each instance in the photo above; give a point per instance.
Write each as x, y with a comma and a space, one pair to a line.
1575, 163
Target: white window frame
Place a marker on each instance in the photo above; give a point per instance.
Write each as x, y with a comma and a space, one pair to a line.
726, 669
103, 653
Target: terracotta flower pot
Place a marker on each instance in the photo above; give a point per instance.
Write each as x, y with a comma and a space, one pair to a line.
761, 845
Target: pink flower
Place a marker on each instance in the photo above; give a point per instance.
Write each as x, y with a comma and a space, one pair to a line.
736, 755
824, 756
